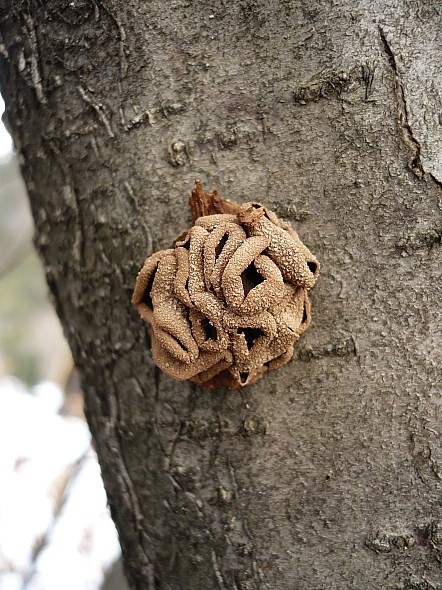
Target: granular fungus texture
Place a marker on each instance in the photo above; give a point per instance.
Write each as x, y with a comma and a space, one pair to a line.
229, 300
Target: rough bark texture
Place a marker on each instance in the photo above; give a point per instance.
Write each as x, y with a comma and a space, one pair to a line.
327, 473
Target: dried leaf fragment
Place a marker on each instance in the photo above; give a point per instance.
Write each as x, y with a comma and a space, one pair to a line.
229, 300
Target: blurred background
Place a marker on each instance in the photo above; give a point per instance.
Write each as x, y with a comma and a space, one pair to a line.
32, 346
55, 528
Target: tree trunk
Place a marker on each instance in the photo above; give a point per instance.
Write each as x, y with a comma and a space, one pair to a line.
327, 473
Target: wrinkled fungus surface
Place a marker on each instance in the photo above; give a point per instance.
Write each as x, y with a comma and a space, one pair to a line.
228, 301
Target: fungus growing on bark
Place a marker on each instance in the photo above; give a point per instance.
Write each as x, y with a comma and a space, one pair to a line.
229, 299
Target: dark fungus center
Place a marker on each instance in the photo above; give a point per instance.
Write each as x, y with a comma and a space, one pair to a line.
250, 278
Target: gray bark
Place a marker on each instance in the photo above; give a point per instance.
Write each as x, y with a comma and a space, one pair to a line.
327, 473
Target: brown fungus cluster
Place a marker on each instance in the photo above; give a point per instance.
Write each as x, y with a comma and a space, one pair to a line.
228, 301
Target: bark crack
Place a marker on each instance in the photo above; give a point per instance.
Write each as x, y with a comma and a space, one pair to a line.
114, 434
34, 59
98, 108
216, 569
415, 157
122, 41
438, 183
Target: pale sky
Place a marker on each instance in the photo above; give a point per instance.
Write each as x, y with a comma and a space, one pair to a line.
5, 138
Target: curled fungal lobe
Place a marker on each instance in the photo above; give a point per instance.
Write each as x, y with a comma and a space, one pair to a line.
230, 299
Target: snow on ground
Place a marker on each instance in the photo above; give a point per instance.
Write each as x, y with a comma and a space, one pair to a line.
55, 528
